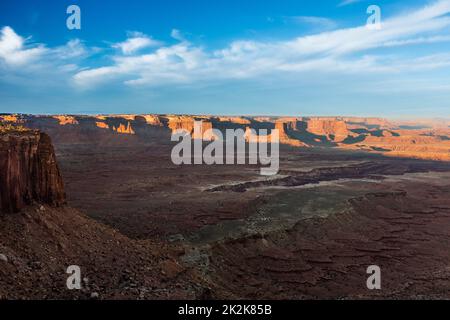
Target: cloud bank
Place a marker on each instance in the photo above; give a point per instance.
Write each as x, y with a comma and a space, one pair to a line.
342, 50
142, 61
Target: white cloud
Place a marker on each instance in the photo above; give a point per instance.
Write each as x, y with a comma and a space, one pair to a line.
347, 2
167, 64
136, 42
13, 49
419, 40
17, 51
317, 22
342, 50
344, 41
177, 35
72, 49
34, 65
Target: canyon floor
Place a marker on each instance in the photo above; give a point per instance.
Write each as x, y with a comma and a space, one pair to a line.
143, 228
309, 232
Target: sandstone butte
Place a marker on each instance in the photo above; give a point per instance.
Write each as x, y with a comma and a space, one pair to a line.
152, 120
28, 171
124, 129
66, 120
332, 128
425, 139
186, 123
283, 137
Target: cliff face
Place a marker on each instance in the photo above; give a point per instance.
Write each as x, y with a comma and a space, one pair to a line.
124, 129
334, 129
424, 139
28, 171
284, 137
187, 123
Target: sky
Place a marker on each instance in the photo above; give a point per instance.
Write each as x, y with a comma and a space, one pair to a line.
226, 57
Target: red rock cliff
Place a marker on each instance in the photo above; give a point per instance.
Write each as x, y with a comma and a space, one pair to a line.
28, 171
333, 128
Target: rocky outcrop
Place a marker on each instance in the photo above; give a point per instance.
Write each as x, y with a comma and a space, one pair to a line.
124, 129
28, 171
66, 120
101, 125
423, 139
153, 120
236, 120
282, 127
371, 122
187, 124
334, 129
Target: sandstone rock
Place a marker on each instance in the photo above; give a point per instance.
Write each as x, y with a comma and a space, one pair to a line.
28, 171
101, 125
236, 120
152, 120
424, 139
124, 130
334, 129
284, 138
378, 122
66, 120
186, 123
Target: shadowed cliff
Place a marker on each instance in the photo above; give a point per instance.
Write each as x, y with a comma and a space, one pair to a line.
28, 171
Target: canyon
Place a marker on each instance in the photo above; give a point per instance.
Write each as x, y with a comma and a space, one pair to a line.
351, 192
41, 236
424, 140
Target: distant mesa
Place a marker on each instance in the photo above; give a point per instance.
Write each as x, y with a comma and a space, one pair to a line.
186, 123
282, 127
425, 139
237, 120
333, 129
152, 120
66, 120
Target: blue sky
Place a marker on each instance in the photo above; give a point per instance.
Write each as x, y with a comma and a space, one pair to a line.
285, 57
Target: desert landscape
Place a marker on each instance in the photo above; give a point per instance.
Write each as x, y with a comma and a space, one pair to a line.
102, 192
